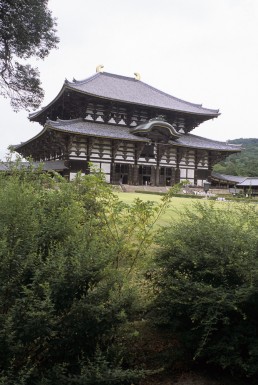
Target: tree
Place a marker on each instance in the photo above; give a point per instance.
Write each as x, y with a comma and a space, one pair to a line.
207, 285
244, 163
27, 29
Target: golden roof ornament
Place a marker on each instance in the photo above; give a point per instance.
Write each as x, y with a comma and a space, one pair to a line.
137, 76
100, 68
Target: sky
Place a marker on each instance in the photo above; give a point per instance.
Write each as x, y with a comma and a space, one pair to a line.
202, 51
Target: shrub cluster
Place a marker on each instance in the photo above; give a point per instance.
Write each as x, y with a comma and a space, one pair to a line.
207, 284
64, 279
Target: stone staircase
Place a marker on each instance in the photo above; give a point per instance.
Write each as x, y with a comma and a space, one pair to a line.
163, 189
154, 189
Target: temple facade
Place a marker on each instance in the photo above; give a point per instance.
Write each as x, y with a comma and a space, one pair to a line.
135, 133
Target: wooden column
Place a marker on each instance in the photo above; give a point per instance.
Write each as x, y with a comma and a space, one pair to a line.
112, 173
210, 161
153, 175
178, 160
157, 175
130, 174
135, 174
177, 175
196, 161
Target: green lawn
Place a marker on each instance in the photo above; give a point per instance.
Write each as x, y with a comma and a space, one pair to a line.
177, 204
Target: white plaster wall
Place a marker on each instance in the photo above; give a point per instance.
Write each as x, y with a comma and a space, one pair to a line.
105, 167
73, 175
96, 164
190, 174
183, 173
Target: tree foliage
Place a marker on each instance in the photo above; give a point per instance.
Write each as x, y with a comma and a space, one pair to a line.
27, 29
207, 285
67, 278
242, 164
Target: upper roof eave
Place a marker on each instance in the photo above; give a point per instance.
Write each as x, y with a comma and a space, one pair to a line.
73, 86
35, 114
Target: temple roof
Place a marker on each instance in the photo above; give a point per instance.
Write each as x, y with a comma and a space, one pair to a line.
163, 130
129, 90
50, 165
240, 181
249, 182
3, 167
190, 140
82, 127
102, 130
228, 178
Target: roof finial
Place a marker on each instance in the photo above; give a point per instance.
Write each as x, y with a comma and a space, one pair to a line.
100, 68
137, 76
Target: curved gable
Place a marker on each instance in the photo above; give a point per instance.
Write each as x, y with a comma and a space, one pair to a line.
157, 130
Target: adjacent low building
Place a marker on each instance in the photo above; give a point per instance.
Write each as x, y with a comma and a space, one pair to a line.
236, 184
135, 133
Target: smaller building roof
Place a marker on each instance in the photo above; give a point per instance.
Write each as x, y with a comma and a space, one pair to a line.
228, 178
56, 165
50, 165
249, 182
3, 167
240, 181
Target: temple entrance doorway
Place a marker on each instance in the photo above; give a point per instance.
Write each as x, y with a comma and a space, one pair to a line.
145, 175
124, 178
121, 173
166, 174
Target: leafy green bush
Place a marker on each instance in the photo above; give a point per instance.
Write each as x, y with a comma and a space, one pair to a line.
206, 283
65, 286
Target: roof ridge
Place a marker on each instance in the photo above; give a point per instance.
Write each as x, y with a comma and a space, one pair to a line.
170, 100
178, 99
86, 80
145, 84
70, 120
119, 76
64, 121
83, 81
225, 175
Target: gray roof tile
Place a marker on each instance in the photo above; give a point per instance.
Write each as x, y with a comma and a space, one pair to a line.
241, 181
129, 90
102, 130
190, 140
249, 182
126, 89
57, 165
3, 167
228, 178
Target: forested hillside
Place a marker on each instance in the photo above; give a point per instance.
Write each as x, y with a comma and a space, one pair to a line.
244, 163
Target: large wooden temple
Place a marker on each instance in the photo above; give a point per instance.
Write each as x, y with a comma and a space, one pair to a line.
135, 133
